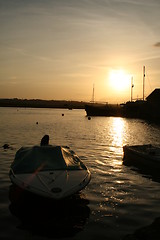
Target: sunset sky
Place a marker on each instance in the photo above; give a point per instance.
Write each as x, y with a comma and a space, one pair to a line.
59, 49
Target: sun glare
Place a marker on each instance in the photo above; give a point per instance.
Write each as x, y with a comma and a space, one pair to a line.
119, 80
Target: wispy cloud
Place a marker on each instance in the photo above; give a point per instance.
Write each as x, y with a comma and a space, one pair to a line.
24, 52
157, 44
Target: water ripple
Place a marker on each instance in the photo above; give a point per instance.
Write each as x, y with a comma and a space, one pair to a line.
120, 199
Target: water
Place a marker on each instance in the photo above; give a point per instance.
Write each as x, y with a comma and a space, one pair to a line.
117, 201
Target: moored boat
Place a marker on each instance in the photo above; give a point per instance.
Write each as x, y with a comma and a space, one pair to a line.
51, 171
106, 110
145, 157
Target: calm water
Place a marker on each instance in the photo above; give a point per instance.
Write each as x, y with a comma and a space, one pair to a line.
117, 201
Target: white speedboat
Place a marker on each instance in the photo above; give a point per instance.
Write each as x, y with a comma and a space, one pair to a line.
143, 156
51, 171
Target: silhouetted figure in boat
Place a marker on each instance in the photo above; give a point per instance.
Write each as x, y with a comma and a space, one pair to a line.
45, 140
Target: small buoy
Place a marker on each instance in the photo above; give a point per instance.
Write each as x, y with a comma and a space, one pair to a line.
89, 118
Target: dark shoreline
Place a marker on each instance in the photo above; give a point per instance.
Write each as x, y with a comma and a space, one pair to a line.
145, 110
38, 103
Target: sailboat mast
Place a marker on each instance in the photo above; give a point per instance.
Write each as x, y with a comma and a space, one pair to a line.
93, 95
132, 85
143, 80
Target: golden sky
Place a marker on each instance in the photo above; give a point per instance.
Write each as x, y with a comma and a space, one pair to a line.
59, 49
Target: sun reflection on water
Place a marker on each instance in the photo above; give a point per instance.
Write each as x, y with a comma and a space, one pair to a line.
118, 132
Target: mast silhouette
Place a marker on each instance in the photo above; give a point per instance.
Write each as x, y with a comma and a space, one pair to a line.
143, 80
132, 85
92, 100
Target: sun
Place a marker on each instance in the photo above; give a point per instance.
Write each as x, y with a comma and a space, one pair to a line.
119, 80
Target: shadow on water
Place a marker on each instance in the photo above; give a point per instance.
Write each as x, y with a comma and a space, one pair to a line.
144, 171
49, 218
147, 169
149, 232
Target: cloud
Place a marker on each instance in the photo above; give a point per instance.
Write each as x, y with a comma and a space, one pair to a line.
157, 44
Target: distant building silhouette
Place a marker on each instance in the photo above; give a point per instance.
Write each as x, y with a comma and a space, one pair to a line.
154, 97
153, 103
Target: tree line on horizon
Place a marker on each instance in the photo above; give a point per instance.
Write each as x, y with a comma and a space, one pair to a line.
38, 103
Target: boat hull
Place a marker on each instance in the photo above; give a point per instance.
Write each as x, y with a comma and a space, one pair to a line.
144, 157
104, 110
52, 184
